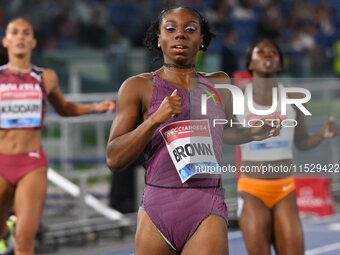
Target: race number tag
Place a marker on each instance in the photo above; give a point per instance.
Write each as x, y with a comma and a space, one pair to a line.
191, 148
20, 108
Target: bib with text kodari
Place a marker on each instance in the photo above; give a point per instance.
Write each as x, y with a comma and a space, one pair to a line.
191, 148
21, 108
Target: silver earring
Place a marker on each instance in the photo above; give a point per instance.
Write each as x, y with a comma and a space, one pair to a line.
202, 46
159, 45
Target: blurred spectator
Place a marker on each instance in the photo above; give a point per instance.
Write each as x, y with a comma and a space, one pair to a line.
219, 18
271, 22
244, 10
303, 39
244, 21
304, 28
229, 59
93, 19
325, 19
68, 32
336, 64
218, 15
117, 58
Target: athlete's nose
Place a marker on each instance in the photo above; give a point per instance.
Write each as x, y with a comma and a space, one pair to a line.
180, 34
267, 54
21, 36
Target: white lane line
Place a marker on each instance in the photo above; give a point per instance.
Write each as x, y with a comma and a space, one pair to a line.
323, 249
321, 220
334, 226
325, 228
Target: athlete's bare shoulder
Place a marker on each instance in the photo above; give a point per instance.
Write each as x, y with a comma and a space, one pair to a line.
147, 76
216, 75
292, 95
225, 95
219, 78
50, 79
137, 81
49, 73
136, 86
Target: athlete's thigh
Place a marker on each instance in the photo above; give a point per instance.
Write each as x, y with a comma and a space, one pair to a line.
210, 238
6, 201
288, 234
29, 201
148, 240
256, 224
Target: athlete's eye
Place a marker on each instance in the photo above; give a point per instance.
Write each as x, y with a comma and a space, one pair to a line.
190, 29
14, 32
170, 28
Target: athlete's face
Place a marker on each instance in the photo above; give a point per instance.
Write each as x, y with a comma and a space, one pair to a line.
19, 38
180, 37
265, 60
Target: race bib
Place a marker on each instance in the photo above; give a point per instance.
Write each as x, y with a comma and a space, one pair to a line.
191, 148
20, 108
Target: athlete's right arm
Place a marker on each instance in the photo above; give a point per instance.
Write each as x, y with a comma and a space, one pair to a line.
129, 132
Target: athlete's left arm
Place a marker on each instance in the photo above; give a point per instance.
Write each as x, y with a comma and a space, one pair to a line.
65, 108
304, 141
234, 133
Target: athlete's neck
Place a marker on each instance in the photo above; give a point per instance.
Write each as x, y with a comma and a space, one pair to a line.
180, 76
262, 85
173, 68
176, 66
20, 68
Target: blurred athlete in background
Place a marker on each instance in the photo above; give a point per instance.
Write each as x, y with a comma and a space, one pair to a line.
24, 91
267, 204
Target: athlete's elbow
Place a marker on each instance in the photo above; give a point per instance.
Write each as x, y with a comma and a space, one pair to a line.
114, 164
64, 113
112, 159
302, 146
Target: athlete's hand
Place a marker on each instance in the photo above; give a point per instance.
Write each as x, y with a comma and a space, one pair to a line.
169, 108
329, 128
265, 128
104, 106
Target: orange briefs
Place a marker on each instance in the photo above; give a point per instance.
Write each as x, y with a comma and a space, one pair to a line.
269, 191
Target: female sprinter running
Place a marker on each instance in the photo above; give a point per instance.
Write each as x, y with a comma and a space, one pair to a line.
24, 91
267, 204
177, 215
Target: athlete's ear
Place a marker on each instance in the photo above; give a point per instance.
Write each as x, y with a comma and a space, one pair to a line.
250, 67
4, 42
158, 42
34, 43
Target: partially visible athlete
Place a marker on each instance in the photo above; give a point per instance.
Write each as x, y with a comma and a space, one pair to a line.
24, 91
268, 208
